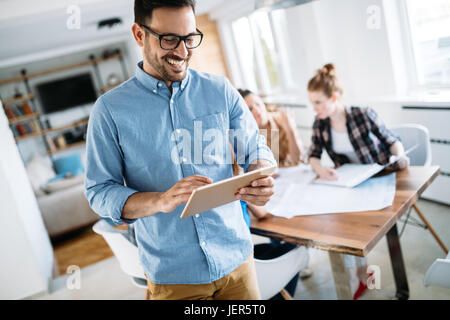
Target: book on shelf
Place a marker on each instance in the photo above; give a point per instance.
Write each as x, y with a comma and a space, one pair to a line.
61, 141
51, 143
28, 128
17, 112
35, 126
26, 108
15, 131
9, 113
20, 129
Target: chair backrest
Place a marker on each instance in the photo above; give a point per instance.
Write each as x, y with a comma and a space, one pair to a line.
439, 273
274, 274
412, 134
123, 249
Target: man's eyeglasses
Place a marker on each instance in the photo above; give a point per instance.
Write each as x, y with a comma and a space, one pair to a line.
171, 41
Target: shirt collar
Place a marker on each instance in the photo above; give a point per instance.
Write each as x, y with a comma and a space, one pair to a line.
154, 84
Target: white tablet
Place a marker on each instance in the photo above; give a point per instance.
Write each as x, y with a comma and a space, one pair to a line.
222, 192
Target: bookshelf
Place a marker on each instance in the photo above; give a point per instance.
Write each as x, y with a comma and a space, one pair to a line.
26, 121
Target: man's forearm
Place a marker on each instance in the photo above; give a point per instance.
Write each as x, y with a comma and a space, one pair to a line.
141, 204
258, 164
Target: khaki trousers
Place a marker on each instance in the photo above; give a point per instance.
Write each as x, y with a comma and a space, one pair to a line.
240, 284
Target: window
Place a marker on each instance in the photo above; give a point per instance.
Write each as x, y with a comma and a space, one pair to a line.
261, 51
429, 24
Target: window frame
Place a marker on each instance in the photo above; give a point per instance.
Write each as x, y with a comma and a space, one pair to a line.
285, 81
411, 58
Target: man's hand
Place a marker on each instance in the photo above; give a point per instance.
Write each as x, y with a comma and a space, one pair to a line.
180, 192
261, 190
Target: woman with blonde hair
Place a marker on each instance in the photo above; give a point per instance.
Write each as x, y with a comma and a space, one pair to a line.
349, 134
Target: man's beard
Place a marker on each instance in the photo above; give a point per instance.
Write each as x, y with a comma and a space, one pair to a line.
161, 67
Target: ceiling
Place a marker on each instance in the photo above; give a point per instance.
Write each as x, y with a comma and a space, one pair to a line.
31, 26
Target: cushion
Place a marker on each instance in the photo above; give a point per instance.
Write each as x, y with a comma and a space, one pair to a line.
69, 165
39, 170
62, 184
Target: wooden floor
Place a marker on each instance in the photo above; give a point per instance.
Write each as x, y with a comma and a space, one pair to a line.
81, 248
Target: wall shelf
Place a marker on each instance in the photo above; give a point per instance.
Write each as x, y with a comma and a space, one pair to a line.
67, 147
23, 118
109, 87
28, 136
29, 123
19, 99
52, 130
66, 127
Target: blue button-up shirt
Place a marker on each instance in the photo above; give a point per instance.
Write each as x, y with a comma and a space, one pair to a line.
144, 138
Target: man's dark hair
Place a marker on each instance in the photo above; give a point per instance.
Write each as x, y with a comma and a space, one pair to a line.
143, 9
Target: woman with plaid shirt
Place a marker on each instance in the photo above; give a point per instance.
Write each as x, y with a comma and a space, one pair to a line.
349, 135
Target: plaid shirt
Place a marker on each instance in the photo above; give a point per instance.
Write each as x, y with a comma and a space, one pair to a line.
360, 122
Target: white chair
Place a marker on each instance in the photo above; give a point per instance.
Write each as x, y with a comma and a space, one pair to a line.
125, 251
410, 135
274, 274
439, 273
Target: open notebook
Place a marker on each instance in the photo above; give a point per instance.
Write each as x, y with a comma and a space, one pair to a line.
350, 175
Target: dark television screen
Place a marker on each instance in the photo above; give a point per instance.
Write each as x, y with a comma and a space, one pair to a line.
66, 93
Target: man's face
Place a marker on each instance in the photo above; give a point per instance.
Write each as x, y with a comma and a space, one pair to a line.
169, 65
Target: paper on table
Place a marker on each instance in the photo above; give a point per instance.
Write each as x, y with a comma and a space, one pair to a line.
295, 195
350, 175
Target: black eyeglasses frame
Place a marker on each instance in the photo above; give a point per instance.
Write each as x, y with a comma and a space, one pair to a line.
180, 38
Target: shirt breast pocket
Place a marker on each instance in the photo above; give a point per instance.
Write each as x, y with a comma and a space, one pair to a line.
211, 139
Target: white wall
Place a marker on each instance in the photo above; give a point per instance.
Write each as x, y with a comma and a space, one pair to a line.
27, 254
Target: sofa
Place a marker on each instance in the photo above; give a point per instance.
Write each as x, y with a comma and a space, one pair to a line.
60, 197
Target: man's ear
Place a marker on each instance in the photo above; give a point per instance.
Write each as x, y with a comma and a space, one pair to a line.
138, 34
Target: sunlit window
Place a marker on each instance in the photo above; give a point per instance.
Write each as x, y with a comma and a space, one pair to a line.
429, 22
261, 51
246, 53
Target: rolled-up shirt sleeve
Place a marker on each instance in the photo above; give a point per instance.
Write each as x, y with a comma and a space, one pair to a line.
248, 144
104, 186
379, 129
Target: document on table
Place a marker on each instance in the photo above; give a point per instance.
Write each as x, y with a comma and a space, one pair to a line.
350, 175
296, 195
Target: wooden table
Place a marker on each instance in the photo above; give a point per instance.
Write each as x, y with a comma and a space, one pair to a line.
354, 233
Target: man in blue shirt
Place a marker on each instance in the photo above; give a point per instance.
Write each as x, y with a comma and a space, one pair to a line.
163, 133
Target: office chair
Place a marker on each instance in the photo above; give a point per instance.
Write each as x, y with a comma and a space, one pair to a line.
410, 135
125, 251
274, 274
439, 273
